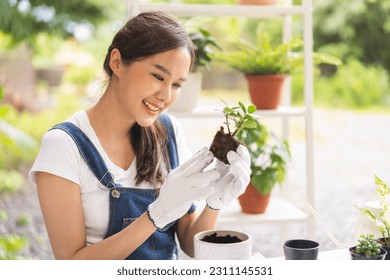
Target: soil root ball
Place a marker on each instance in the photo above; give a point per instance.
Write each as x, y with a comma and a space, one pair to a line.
222, 144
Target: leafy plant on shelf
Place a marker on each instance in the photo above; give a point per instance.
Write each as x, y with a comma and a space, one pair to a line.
241, 116
368, 246
262, 58
382, 222
204, 44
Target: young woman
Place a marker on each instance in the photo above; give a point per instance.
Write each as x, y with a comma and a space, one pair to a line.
104, 177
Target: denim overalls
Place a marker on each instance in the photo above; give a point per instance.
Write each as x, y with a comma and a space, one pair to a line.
127, 204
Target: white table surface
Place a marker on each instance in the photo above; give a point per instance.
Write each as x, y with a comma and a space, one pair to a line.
338, 254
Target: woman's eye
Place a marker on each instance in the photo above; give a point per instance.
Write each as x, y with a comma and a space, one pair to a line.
158, 77
176, 86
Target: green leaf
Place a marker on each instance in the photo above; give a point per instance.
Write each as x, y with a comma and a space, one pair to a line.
251, 109
228, 110
242, 106
250, 124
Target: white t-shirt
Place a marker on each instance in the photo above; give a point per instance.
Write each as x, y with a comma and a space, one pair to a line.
59, 155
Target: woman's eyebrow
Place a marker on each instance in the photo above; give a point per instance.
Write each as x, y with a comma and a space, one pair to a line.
162, 68
166, 71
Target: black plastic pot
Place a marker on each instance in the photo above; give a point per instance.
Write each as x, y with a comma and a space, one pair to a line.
356, 256
386, 248
300, 249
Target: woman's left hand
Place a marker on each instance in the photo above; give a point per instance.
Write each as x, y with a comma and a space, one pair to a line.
234, 182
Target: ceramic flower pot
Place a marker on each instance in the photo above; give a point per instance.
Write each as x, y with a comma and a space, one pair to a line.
253, 202
356, 256
266, 90
222, 245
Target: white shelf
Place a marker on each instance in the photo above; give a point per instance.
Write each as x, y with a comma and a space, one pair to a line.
202, 112
279, 211
223, 10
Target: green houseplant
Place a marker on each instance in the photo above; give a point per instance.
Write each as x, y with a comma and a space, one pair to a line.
367, 248
269, 154
381, 221
266, 66
269, 158
204, 44
224, 141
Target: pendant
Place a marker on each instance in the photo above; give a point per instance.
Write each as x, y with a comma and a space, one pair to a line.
115, 193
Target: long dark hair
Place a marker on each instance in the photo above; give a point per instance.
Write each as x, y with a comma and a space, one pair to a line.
144, 35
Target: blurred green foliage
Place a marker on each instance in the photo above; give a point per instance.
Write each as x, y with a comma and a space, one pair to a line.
23, 220
79, 75
17, 152
10, 246
23, 20
10, 181
353, 86
359, 29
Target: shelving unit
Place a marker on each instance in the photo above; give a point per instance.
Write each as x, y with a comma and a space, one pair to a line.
280, 210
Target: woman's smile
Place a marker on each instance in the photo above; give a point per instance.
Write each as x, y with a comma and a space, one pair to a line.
151, 107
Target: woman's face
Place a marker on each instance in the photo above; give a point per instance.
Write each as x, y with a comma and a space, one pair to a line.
148, 87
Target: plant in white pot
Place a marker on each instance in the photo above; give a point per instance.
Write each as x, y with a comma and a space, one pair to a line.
266, 67
204, 44
226, 244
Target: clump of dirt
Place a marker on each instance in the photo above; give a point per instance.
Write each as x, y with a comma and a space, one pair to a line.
222, 144
213, 238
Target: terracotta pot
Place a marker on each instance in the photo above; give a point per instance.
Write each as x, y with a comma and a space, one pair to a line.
257, 2
253, 202
265, 90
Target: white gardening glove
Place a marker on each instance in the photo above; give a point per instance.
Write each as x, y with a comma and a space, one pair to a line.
234, 182
185, 184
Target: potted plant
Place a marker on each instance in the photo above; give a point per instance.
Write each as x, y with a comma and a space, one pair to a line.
204, 44
381, 221
266, 67
368, 248
269, 157
269, 154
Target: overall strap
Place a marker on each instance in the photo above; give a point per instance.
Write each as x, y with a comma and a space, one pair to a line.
95, 161
172, 147
89, 152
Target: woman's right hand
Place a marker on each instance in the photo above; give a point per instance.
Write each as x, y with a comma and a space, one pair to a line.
185, 184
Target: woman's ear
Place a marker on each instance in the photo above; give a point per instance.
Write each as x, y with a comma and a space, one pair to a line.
115, 61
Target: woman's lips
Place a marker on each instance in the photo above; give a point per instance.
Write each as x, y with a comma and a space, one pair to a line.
150, 106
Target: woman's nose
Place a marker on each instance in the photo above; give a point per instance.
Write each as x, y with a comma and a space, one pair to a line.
165, 94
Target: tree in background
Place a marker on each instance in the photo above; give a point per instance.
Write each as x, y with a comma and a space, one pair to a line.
359, 28
24, 20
